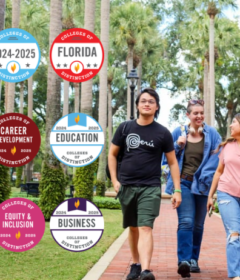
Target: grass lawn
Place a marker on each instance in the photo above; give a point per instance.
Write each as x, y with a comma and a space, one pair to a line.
48, 261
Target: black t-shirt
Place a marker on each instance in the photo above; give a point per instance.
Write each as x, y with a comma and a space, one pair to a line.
144, 146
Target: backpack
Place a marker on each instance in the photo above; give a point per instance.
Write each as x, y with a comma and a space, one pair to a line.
125, 132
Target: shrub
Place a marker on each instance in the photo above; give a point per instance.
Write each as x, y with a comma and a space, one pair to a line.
100, 188
106, 202
52, 189
83, 181
19, 176
5, 189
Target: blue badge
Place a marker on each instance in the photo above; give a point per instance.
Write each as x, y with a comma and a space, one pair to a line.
19, 55
77, 140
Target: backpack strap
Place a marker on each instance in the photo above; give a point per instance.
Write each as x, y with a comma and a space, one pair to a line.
125, 131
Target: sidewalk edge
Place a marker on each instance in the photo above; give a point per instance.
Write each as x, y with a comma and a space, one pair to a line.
97, 270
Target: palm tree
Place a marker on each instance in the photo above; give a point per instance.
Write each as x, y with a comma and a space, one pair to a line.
2, 20
86, 90
4, 171
15, 24
52, 184
212, 11
102, 116
130, 22
84, 176
34, 20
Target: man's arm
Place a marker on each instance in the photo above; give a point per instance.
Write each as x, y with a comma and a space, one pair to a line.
112, 165
174, 169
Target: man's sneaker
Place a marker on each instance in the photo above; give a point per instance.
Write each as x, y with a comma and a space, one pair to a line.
184, 269
194, 266
135, 271
146, 275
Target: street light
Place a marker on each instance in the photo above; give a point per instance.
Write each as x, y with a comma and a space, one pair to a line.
132, 80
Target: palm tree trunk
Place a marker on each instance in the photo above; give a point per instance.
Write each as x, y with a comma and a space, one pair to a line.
15, 24
86, 92
6, 95
130, 67
29, 166
206, 93
16, 13
2, 13
76, 99
211, 71
54, 81
66, 98
52, 185
139, 70
21, 97
30, 97
102, 116
109, 115
2, 23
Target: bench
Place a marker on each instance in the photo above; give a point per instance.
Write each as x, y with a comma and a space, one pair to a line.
32, 189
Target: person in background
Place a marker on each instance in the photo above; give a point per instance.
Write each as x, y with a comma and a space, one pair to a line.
227, 182
138, 185
194, 145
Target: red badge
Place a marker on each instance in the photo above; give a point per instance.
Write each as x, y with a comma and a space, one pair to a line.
19, 139
76, 55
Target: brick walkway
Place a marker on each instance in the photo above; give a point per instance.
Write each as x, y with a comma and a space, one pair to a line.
164, 261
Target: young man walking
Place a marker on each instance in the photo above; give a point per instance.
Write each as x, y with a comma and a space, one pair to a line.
137, 183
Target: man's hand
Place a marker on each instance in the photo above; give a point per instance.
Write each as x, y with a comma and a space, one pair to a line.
116, 186
181, 141
176, 200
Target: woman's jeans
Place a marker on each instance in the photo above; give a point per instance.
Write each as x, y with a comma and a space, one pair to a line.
191, 217
229, 207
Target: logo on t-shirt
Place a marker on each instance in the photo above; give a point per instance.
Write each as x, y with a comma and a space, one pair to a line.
133, 141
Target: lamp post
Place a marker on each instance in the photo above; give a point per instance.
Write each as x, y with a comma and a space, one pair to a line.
132, 80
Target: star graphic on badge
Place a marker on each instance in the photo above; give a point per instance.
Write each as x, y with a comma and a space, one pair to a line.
58, 65
0, 65
27, 64
88, 65
65, 65
95, 65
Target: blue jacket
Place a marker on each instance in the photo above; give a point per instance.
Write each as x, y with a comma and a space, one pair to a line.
202, 178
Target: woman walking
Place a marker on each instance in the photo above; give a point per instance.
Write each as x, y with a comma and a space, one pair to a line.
227, 182
194, 144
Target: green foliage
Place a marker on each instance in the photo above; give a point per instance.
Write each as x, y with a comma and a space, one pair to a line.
4, 183
19, 176
100, 188
106, 202
216, 209
52, 189
83, 181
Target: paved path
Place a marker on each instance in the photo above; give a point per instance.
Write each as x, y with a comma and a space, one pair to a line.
164, 261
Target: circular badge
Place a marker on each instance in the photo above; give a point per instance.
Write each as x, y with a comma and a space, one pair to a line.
77, 139
77, 224
19, 139
22, 224
19, 55
76, 55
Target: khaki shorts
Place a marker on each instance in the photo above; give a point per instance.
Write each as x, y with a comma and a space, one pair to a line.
140, 205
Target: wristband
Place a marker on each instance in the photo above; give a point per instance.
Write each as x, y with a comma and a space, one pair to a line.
177, 191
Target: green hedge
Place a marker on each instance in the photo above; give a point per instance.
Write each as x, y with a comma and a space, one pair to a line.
100, 202
106, 202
